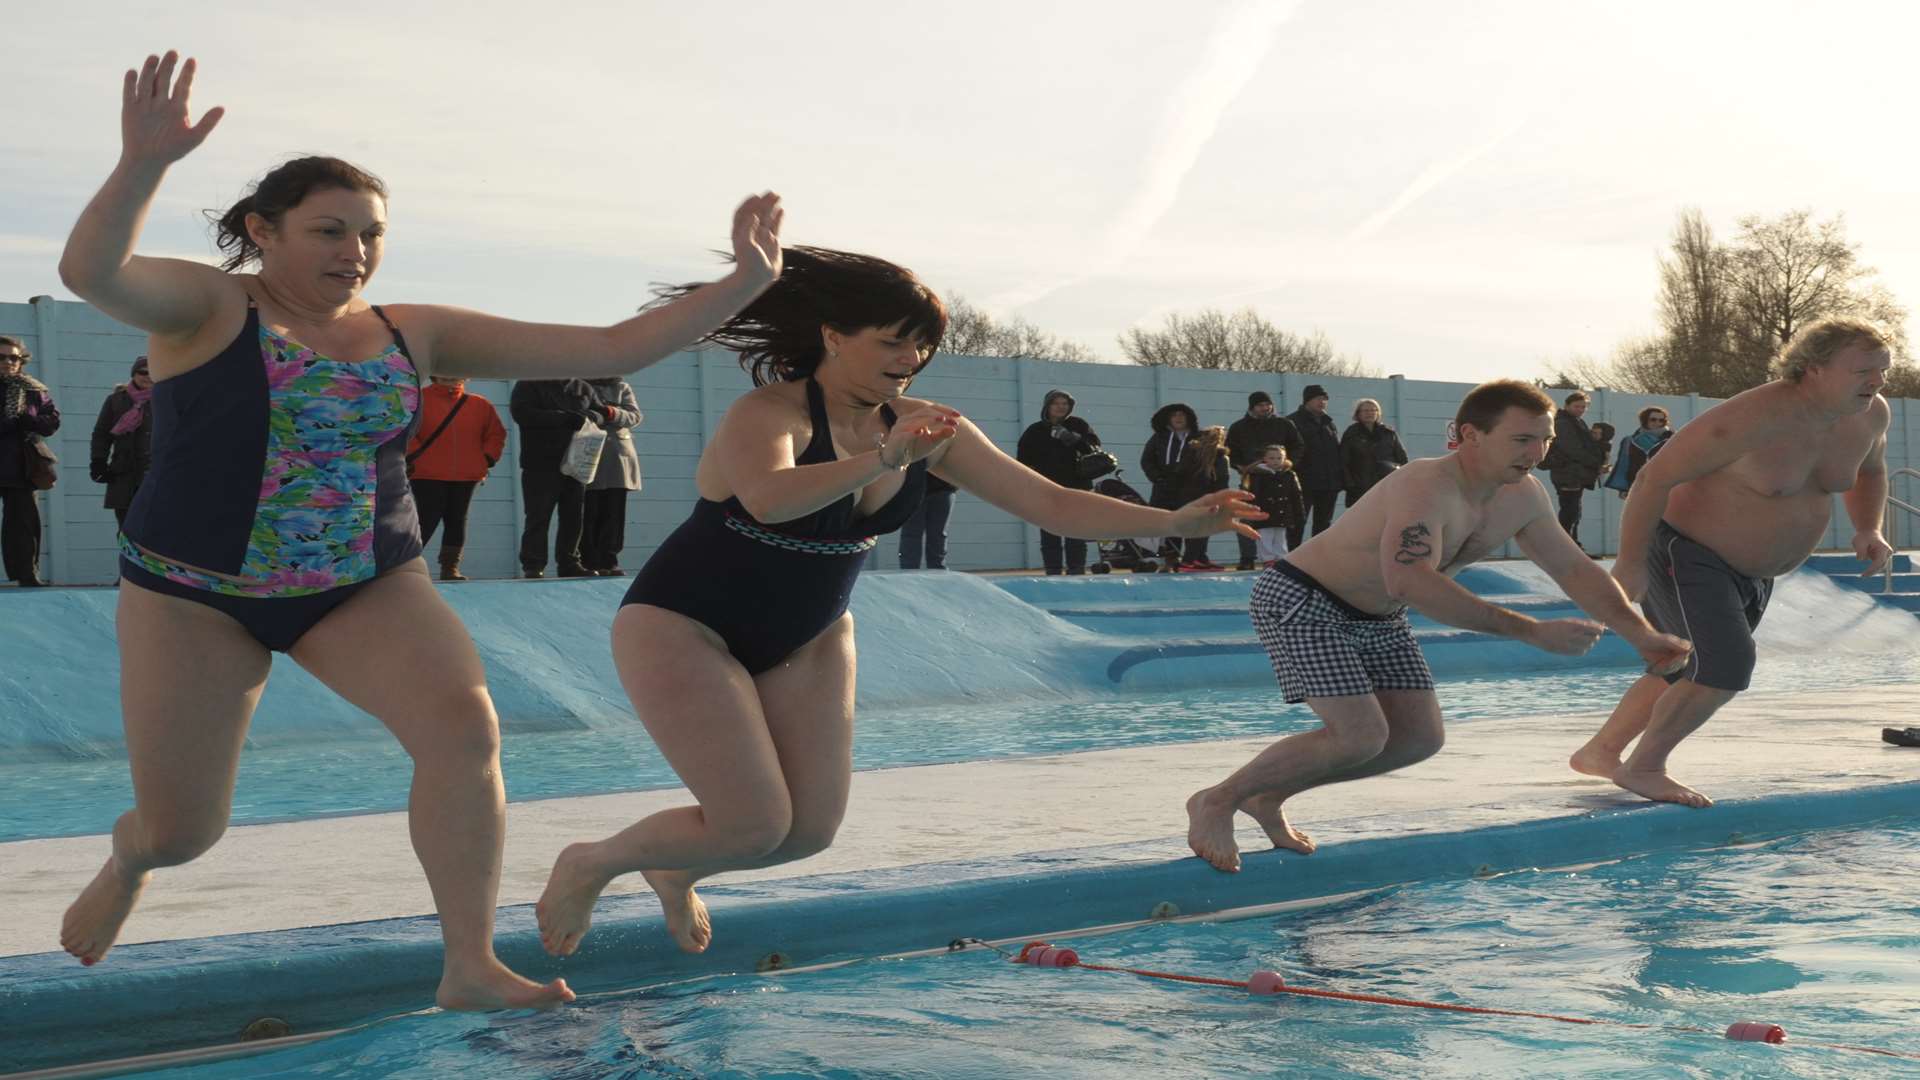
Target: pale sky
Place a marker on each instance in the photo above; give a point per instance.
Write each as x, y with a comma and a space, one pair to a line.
1449, 190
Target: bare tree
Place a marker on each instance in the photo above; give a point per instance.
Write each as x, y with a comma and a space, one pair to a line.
1726, 309
973, 332
1242, 341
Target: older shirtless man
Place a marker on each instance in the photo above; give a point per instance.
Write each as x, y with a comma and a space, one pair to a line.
1740, 496
1332, 615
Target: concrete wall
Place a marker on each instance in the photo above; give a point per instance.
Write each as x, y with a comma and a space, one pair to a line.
82, 355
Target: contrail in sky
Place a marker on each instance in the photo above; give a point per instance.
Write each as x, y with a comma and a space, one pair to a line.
1233, 56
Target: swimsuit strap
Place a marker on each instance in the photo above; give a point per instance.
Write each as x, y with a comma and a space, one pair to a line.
820, 447
398, 338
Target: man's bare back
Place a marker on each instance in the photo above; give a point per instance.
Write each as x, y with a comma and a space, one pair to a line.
1348, 559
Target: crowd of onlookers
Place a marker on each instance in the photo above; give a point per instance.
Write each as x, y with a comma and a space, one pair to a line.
577, 459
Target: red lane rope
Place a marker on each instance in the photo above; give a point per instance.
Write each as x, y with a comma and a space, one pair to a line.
1041, 954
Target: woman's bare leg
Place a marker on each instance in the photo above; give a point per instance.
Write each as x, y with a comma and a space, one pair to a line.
711, 723
399, 652
189, 680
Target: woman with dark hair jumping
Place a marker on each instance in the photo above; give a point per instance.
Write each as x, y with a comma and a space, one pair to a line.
734, 641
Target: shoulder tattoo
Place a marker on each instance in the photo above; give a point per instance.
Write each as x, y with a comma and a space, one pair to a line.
1414, 544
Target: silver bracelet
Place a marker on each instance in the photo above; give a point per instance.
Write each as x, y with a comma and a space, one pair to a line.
880, 451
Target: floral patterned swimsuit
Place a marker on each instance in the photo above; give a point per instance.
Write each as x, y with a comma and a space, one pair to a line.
279, 483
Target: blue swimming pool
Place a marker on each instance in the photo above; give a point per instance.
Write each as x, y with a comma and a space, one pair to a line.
1817, 932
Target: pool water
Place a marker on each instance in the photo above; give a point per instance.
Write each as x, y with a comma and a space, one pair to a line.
296, 779
1818, 932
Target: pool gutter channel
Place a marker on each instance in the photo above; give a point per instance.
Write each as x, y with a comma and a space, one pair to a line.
168, 997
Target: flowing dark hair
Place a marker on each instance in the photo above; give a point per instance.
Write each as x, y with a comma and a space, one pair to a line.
778, 335
278, 192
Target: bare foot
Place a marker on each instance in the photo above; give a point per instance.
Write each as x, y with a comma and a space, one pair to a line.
1266, 810
1595, 760
565, 910
93, 921
686, 913
1210, 832
495, 986
1659, 787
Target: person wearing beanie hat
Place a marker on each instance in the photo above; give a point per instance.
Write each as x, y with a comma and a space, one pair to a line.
1248, 439
1051, 446
122, 445
1323, 473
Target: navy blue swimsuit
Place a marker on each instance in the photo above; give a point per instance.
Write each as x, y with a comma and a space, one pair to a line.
769, 589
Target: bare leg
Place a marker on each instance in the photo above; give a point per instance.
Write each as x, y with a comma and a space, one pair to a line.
190, 678
769, 759
1414, 733
399, 652
1355, 732
1601, 755
1680, 712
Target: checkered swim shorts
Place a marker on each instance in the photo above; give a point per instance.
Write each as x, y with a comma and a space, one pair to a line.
1321, 646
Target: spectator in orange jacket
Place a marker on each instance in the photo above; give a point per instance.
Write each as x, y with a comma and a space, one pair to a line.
459, 438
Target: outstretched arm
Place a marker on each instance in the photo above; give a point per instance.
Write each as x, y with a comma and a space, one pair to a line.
455, 341
974, 464
1547, 544
169, 298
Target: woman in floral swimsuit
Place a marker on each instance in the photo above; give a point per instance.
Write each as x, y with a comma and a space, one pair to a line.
277, 518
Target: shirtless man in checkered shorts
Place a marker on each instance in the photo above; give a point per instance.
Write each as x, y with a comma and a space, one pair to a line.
1332, 615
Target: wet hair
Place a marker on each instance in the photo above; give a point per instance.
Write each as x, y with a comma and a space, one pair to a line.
1820, 341
1650, 410
9, 339
1363, 403
278, 192
1485, 404
1577, 395
778, 334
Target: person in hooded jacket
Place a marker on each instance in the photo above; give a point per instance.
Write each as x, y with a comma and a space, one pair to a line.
458, 440
27, 416
1248, 439
1369, 450
1174, 426
1322, 472
122, 446
1052, 446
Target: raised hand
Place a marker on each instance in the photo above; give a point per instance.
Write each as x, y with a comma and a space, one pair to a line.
1218, 512
756, 236
153, 113
918, 434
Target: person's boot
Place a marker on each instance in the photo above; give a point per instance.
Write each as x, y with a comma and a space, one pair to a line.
450, 564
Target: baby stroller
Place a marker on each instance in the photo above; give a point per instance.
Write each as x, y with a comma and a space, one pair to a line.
1134, 553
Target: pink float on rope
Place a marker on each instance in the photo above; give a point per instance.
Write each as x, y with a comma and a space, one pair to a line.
1265, 982
1754, 1031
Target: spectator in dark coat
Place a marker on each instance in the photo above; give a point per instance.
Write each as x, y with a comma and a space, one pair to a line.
1247, 440
1051, 446
604, 526
926, 529
1638, 448
548, 412
1573, 462
1323, 475
122, 446
1369, 450
27, 415
1205, 467
1276, 491
1173, 427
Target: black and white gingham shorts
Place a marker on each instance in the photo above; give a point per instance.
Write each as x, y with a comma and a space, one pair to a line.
1321, 646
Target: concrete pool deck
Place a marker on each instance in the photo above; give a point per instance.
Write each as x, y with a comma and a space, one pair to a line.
1493, 772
